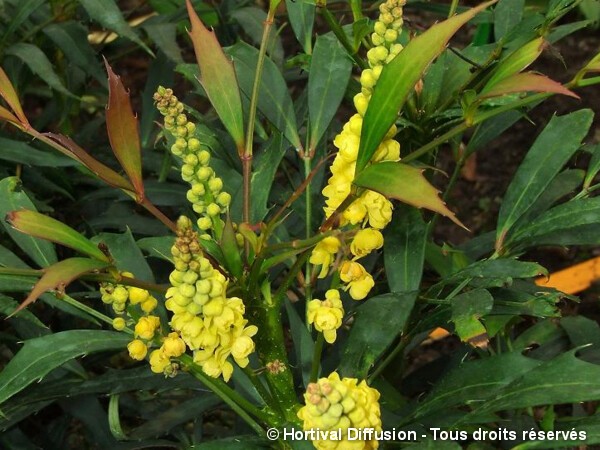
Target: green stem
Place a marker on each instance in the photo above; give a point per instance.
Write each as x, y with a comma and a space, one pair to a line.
339, 33
453, 7
389, 358
316, 361
239, 404
260, 388
308, 225
91, 311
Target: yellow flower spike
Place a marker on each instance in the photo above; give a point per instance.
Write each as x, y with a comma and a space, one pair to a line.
119, 324
359, 281
365, 241
137, 349
323, 254
335, 403
327, 315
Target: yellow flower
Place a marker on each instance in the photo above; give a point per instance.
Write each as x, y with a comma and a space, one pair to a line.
323, 254
243, 346
327, 314
173, 345
159, 361
146, 327
137, 349
339, 404
365, 241
359, 281
149, 305
118, 323
137, 295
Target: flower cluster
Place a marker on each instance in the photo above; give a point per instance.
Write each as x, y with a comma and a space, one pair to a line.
370, 208
206, 189
146, 326
339, 404
209, 323
327, 314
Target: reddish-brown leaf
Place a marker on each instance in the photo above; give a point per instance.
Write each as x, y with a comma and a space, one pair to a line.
59, 275
8, 93
527, 82
102, 171
123, 131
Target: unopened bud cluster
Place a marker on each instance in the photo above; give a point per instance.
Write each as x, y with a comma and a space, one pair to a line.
210, 324
206, 193
340, 404
371, 209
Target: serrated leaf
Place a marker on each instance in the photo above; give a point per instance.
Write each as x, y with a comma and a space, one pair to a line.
367, 341
507, 14
13, 198
107, 14
164, 36
60, 275
404, 250
49, 229
405, 183
526, 82
123, 131
274, 100
39, 64
549, 153
217, 77
328, 77
467, 309
41, 355
159, 247
400, 76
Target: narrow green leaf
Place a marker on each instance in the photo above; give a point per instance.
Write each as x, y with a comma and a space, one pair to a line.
474, 381
404, 183
593, 167
367, 342
164, 36
267, 162
400, 76
274, 100
41, 355
549, 153
39, 64
217, 77
44, 227
126, 254
565, 379
404, 250
302, 17
22, 153
19, 15
304, 345
517, 61
498, 268
108, 14
123, 131
507, 15
491, 129
59, 275
572, 223
467, 309
71, 38
13, 198
159, 247
330, 70
252, 20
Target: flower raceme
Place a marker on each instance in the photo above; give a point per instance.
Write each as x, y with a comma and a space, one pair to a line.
370, 209
335, 403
